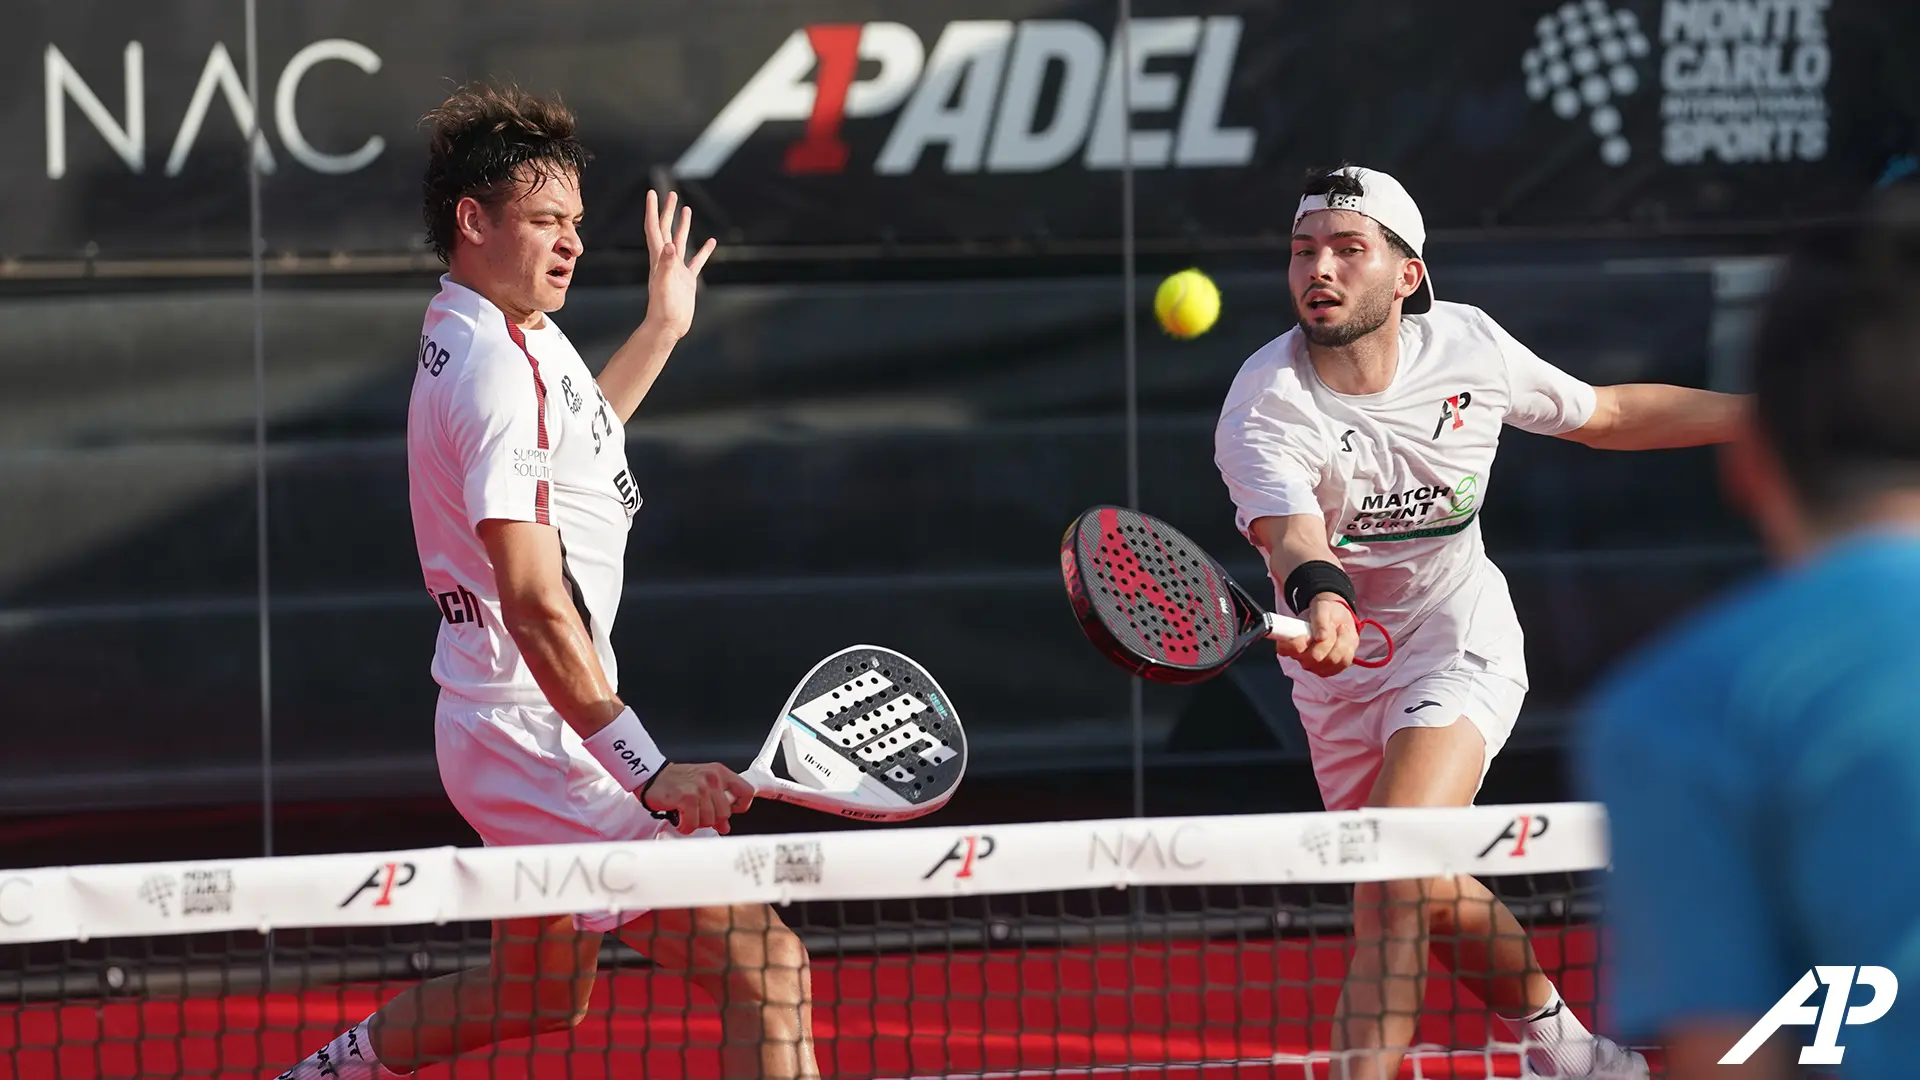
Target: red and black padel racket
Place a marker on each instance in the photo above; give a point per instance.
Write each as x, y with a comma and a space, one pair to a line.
1155, 603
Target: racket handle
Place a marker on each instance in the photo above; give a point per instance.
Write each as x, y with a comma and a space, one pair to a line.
1283, 626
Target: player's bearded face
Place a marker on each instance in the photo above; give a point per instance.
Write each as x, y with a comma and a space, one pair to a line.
1343, 277
1360, 312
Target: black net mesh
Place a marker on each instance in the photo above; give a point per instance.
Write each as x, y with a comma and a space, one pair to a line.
1185, 981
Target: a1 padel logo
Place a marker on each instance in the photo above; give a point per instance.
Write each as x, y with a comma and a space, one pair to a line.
385, 878
993, 96
965, 851
1450, 411
1833, 1012
1518, 831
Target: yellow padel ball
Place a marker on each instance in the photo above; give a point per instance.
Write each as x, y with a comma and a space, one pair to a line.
1187, 303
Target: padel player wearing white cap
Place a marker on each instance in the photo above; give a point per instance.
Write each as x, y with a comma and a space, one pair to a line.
1357, 448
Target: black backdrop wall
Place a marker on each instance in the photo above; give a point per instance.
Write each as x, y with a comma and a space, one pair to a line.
879, 459
985, 123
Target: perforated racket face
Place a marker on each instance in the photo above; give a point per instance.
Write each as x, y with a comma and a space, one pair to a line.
1155, 591
884, 714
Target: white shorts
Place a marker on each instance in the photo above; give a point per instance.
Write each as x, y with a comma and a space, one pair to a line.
519, 775
1348, 739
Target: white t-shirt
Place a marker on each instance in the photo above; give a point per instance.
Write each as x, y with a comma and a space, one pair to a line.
1401, 477
509, 423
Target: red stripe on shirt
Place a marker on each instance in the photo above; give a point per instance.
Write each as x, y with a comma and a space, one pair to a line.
540, 493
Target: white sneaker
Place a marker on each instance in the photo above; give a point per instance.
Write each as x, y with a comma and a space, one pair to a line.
1611, 1061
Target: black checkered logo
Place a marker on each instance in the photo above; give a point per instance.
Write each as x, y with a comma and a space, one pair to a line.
1587, 59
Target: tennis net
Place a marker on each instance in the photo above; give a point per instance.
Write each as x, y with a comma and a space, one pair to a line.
1181, 947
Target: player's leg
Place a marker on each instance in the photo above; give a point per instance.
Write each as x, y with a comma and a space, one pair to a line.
1466, 927
755, 968
1380, 1002
537, 979
1346, 766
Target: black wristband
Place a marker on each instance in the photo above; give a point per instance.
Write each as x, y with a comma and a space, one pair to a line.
1310, 579
659, 815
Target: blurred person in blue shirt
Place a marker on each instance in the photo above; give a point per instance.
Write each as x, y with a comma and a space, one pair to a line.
1760, 764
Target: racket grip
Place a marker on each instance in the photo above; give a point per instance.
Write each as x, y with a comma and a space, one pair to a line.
1283, 626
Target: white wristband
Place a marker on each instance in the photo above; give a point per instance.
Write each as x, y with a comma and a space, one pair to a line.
625, 749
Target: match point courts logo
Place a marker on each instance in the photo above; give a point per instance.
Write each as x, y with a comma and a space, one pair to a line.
1834, 1012
992, 96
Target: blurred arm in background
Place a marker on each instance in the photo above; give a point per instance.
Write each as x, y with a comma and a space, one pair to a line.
1656, 416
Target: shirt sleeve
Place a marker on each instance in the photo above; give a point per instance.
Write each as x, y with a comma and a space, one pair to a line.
1690, 907
1544, 399
1270, 452
498, 424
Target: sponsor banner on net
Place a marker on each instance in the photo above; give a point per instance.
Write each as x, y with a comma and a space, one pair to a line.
36, 905
262, 894
448, 884
384, 888
167, 898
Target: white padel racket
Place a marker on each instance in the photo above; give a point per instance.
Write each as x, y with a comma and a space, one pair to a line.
867, 734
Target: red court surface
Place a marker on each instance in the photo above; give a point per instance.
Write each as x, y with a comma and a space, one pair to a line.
1216, 1010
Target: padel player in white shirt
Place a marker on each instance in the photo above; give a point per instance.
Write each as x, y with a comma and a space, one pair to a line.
1358, 449
522, 496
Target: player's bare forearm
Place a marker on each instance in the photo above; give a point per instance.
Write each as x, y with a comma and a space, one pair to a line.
538, 613
1292, 540
1656, 416
632, 371
562, 659
1332, 638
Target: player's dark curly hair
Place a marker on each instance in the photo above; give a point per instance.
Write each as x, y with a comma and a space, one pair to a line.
484, 138
1334, 182
1835, 365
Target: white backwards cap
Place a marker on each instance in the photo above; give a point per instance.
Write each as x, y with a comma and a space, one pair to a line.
1385, 201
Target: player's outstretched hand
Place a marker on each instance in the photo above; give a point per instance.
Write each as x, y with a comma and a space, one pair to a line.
672, 276
1330, 648
700, 796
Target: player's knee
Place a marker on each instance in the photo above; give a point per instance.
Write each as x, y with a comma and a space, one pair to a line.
782, 968
787, 958
1443, 916
1392, 894
767, 964
1404, 903
539, 1005
546, 1006
562, 1016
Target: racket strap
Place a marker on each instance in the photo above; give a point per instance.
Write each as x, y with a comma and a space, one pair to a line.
1359, 627
658, 815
